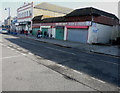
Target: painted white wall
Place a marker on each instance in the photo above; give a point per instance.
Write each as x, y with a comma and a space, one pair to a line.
99, 33
65, 33
53, 32
50, 31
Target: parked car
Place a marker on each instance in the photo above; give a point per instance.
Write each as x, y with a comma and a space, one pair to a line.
4, 31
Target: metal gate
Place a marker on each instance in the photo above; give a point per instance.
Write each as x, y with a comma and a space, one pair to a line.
35, 30
77, 35
59, 33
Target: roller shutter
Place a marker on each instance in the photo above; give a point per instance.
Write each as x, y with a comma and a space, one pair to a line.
77, 35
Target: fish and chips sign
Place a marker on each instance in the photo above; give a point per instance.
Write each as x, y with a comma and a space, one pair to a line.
65, 24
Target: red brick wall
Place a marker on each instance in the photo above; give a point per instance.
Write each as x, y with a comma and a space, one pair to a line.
79, 19
103, 20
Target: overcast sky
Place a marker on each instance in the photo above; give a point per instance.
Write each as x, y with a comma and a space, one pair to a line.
110, 6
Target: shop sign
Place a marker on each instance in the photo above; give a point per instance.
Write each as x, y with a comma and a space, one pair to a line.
88, 23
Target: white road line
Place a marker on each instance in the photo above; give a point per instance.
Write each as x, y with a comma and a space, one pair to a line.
92, 77
61, 50
61, 65
10, 57
23, 54
77, 72
98, 80
19, 48
30, 53
8, 47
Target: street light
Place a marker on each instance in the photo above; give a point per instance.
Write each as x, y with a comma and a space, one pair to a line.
9, 16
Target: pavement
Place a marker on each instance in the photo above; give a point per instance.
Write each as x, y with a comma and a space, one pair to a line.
99, 49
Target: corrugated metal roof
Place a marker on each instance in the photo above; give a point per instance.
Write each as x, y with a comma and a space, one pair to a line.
54, 19
37, 18
90, 11
54, 8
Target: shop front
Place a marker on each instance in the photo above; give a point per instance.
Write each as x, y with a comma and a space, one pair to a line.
77, 33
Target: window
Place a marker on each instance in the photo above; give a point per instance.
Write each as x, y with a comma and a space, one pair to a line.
27, 13
30, 13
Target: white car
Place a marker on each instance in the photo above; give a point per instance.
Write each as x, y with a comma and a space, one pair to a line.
4, 31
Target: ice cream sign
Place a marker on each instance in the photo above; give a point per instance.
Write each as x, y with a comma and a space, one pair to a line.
94, 29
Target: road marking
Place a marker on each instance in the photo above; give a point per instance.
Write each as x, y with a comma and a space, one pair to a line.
61, 65
77, 72
30, 53
23, 54
19, 48
8, 47
92, 77
60, 50
98, 80
10, 57
14, 46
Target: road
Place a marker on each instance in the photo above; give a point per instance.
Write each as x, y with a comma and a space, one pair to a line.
39, 77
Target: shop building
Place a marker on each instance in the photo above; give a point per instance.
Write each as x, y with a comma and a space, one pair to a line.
28, 11
86, 25
24, 17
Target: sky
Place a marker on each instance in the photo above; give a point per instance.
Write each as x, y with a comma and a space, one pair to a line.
110, 6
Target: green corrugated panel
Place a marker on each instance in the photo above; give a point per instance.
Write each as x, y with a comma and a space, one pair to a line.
43, 30
59, 33
35, 30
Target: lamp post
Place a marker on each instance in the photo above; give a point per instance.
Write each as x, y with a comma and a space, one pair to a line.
8, 16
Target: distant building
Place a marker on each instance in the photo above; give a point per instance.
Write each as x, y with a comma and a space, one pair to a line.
28, 11
7, 22
50, 10
14, 24
0, 24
